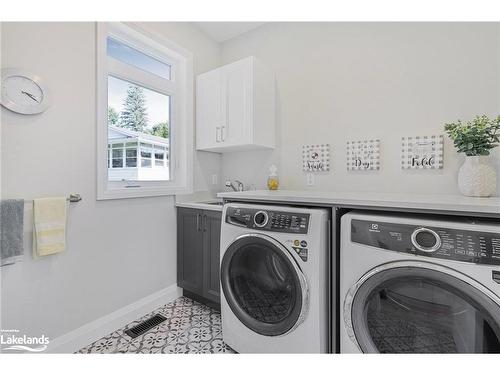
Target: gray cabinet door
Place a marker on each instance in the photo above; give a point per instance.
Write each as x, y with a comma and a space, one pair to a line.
211, 255
190, 249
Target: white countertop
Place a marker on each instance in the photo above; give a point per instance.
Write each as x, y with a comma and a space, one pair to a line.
440, 202
204, 205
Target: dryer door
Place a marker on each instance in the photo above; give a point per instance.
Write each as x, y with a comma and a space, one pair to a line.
420, 307
263, 285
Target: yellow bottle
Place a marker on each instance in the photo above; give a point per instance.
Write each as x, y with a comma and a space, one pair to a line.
273, 180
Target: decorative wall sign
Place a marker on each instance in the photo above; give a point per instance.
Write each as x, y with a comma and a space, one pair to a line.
422, 152
363, 155
316, 158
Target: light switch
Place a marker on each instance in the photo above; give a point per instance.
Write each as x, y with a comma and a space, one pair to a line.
215, 178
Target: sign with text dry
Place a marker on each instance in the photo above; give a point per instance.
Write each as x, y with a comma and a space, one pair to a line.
363, 155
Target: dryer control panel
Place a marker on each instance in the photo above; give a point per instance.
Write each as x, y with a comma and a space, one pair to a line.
273, 221
445, 243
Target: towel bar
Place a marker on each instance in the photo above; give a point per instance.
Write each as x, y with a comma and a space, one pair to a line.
73, 198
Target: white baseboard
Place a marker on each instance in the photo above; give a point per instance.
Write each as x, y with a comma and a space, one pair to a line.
90, 332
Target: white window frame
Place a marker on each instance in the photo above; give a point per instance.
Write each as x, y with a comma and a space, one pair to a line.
180, 89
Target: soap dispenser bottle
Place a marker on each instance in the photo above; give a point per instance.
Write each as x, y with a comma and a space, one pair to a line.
273, 181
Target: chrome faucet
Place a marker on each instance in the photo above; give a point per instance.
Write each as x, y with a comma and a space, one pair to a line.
239, 185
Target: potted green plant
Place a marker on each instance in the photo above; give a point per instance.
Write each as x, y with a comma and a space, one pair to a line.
476, 177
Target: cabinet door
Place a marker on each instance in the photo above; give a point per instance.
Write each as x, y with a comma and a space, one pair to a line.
211, 255
209, 110
190, 249
236, 103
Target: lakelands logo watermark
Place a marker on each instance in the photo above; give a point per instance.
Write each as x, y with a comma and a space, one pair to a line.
12, 341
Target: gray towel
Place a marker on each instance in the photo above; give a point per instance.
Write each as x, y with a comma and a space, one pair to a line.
11, 231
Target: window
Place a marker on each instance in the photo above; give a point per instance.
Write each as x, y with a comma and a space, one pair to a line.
146, 155
129, 55
159, 156
117, 155
144, 124
131, 156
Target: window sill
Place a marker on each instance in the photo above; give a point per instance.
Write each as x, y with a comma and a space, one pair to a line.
141, 192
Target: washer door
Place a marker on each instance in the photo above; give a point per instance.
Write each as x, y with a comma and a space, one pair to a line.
419, 307
263, 285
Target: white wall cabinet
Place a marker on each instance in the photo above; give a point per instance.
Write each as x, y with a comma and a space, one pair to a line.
235, 107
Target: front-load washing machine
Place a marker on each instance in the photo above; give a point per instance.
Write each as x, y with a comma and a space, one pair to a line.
274, 278
419, 285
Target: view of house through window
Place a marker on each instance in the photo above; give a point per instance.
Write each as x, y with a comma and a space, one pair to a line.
138, 132
138, 116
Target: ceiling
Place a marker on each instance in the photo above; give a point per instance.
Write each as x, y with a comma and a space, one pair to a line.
222, 31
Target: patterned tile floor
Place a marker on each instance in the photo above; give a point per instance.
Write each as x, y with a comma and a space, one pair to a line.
191, 327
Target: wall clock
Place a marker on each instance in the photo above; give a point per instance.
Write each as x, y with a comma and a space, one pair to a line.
23, 92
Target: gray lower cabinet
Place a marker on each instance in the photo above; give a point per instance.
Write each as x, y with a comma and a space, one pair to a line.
211, 255
198, 252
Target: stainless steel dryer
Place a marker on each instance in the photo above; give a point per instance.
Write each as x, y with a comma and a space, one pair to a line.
412, 285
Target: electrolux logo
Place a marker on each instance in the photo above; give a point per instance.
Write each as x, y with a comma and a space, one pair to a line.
12, 341
374, 228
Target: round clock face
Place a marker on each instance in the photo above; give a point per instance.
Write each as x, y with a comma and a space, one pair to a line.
23, 93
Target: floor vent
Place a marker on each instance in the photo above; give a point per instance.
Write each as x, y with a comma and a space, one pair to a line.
145, 326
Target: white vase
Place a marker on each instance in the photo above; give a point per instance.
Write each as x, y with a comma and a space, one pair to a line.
477, 178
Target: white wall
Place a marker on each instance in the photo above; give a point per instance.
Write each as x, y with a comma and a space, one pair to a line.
118, 251
349, 81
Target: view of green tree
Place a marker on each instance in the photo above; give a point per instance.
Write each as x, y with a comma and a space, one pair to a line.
134, 115
160, 130
113, 116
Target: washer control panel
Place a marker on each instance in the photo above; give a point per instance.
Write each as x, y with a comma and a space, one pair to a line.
462, 245
273, 221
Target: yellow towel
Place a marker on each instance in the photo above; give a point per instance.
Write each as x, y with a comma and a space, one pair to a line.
49, 226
